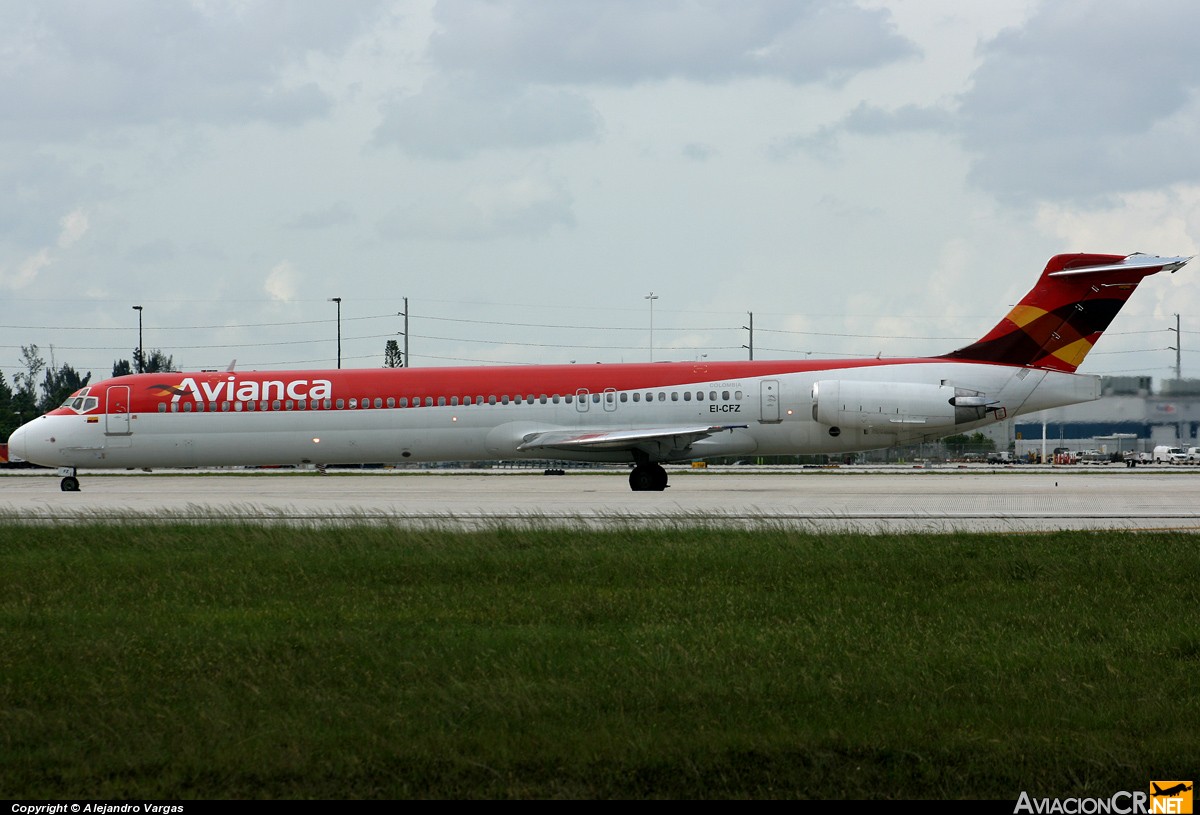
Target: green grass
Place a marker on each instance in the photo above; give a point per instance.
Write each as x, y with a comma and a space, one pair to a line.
230, 661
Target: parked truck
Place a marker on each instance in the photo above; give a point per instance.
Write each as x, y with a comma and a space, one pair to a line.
1164, 454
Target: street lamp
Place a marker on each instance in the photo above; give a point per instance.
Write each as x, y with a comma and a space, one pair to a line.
651, 297
140, 354
338, 300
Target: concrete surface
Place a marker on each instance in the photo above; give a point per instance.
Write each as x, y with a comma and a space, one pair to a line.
868, 499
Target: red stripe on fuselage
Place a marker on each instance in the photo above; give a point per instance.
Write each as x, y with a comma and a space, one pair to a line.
147, 391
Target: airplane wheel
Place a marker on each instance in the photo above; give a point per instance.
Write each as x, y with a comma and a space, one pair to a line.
648, 478
70, 484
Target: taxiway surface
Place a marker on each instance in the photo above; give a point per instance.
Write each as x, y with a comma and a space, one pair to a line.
880, 499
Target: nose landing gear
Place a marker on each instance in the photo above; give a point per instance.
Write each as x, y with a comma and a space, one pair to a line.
70, 482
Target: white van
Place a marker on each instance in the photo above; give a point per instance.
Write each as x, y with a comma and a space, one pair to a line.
1193, 455
1169, 455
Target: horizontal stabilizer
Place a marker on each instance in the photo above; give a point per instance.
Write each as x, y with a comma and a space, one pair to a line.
1136, 261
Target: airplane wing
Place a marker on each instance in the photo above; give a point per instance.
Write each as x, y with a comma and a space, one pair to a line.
667, 439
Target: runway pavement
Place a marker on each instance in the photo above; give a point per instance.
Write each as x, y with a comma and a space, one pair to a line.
850, 498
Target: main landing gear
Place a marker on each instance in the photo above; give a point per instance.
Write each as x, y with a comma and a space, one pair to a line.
648, 477
69, 483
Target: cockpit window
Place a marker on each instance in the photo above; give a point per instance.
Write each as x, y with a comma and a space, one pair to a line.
80, 402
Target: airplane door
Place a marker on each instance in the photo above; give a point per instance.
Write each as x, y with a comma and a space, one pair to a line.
769, 398
116, 411
582, 397
610, 399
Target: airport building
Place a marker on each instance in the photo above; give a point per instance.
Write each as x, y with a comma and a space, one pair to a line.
1128, 416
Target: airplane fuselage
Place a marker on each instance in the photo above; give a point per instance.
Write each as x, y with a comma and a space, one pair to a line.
456, 414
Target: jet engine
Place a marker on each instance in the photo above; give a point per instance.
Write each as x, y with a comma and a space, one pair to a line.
894, 406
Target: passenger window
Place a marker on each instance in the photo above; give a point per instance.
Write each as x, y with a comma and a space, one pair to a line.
596, 398
699, 396
403, 401
212, 406
327, 404
428, 401
624, 397
275, 404
288, 404
479, 399
543, 398
238, 407
441, 401
725, 395
687, 396
491, 400
555, 398
162, 407
504, 399
712, 396
341, 403
251, 405
224, 407
674, 396
737, 395
637, 397
662, 397
187, 407
568, 398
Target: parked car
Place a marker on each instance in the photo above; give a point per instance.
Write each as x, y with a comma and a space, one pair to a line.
1192, 456
1001, 457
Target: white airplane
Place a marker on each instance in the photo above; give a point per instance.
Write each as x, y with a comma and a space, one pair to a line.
644, 414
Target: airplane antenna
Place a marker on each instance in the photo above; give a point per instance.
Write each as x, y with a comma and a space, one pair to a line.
750, 328
232, 364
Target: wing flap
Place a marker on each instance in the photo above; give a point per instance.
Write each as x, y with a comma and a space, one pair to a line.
627, 439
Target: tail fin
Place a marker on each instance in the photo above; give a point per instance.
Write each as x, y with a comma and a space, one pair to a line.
1062, 317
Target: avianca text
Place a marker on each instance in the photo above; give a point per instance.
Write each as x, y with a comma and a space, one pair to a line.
232, 390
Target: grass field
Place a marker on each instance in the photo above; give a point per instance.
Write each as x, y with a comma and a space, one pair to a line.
230, 661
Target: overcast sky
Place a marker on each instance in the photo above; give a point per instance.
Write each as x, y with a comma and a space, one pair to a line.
864, 177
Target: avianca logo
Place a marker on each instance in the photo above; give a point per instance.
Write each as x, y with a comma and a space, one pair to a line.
231, 390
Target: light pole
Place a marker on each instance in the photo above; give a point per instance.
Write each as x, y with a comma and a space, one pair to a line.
140, 355
338, 300
1177, 348
651, 297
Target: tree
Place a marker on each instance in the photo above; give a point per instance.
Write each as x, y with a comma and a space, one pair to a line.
392, 358
8, 418
33, 363
60, 384
157, 362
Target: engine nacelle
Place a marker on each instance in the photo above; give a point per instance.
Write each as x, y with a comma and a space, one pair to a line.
893, 406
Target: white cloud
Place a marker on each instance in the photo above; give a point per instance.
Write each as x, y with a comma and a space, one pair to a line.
281, 283
1087, 98
27, 270
458, 117
623, 42
74, 226
523, 205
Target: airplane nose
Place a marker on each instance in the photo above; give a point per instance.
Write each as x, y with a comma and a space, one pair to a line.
16, 445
